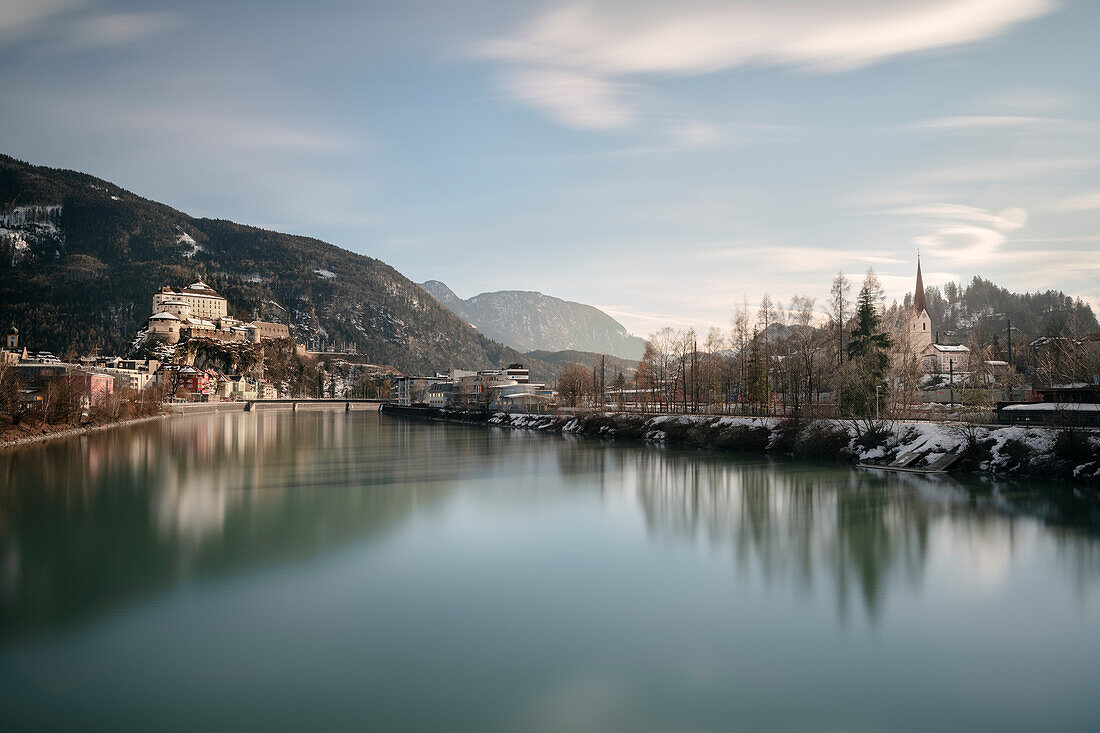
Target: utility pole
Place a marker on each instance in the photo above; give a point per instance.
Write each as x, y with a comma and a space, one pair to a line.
951, 383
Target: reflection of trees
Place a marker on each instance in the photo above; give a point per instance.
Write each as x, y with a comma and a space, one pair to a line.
91, 522
97, 521
856, 530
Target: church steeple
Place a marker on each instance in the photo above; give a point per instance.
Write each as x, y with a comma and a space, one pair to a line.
918, 295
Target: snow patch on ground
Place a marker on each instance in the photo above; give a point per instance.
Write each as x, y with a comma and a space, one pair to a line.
324, 274
24, 226
998, 448
188, 241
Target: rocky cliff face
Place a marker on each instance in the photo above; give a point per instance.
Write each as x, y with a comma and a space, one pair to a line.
530, 321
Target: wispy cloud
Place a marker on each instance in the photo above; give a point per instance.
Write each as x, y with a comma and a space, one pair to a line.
1007, 168
213, 125
115, 29
67, 26
18, 16
571, 98
986, 122
604, 42
1089, 201
1006, 220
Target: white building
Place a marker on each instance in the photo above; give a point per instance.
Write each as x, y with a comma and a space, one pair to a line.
944, 358
203, 301
199, 310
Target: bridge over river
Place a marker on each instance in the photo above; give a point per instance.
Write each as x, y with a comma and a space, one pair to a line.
359, 402
294, 403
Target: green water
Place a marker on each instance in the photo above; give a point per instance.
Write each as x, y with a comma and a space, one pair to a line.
332, 571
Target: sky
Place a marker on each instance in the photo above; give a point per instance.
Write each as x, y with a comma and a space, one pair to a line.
665, 161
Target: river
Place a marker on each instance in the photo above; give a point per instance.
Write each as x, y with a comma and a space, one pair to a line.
325, 570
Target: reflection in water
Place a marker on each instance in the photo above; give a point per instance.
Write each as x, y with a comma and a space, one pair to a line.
87, 523
852, 529
347, 571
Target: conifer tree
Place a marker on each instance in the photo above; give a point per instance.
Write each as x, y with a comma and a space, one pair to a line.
868, 349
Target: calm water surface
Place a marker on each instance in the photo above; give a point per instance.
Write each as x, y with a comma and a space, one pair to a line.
332, 571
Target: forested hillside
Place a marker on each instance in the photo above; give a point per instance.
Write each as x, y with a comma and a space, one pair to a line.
956, 309
80, 259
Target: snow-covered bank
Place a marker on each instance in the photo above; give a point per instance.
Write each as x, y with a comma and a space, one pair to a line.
1023, 451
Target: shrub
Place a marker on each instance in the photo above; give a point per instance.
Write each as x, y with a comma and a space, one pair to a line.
822, 440
1073, 446
785, 435
975, 452
627, 426
744, 437
1015, 454
976, 447
875, 435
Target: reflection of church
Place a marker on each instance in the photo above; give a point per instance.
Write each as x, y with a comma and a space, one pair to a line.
934, 357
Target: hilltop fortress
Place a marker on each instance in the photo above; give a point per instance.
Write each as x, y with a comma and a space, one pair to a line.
198, 310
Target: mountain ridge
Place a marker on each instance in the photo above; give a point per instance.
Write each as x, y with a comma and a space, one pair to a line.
529, 321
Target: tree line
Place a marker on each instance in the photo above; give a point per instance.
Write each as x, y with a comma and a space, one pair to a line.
846, 357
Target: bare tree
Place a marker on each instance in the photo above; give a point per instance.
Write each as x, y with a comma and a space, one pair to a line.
664, 347
714, 368
840, 306
765, 318
805, 343
573, 384
740, 337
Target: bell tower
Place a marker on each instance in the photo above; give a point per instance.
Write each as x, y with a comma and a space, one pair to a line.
920, 327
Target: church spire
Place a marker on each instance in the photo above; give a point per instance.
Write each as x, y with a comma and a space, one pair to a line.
918, 296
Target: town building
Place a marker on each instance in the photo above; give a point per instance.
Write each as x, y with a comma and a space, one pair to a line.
944, 359
495, 389
413, 390
188, 382
36, 378
1063, 405
440, 394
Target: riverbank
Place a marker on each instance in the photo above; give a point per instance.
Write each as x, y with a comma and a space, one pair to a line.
43, 432
1062, 454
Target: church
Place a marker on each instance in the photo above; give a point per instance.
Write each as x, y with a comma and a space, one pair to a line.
932, 356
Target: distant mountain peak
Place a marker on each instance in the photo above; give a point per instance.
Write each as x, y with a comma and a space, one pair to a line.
439, 291
529, 320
